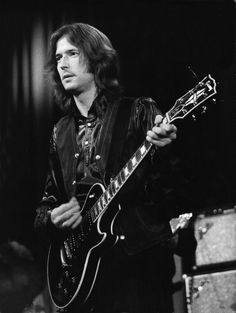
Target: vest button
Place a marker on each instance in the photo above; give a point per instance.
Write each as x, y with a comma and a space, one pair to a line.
76, 155
97, 157
74, 182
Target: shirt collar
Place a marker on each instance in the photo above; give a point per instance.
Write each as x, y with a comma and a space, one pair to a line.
98, 108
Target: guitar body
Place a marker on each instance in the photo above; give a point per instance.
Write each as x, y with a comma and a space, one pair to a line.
73, 261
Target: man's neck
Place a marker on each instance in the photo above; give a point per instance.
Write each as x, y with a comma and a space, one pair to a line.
85, 99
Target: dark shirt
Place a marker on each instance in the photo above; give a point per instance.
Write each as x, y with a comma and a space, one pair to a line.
87, 132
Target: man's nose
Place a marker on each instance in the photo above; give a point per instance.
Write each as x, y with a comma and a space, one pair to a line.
64, 62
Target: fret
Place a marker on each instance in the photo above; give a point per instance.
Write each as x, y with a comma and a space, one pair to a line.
126, 171
134, 160
95, 210
119, 180
142, 149
116, 184
112, 188
108, 195
99, 205
130, 166
122, 175
103, 201
111, 191
105, 197
138, 155
147, 145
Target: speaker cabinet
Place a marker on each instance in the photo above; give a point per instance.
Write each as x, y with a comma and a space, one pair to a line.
211, 293
216, 238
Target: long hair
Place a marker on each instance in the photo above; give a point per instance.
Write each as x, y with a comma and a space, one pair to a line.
98, 52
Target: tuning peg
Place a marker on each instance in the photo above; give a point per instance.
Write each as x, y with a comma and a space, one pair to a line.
194, 117
204, 108
122, 237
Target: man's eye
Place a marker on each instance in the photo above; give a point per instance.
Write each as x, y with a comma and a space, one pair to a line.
58, 58
74, 53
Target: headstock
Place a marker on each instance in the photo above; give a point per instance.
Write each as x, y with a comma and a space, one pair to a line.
192, 99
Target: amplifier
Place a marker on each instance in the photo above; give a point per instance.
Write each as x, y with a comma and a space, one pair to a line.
211, 293
216, 238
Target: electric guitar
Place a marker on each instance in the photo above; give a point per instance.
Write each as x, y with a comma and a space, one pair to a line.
73, 262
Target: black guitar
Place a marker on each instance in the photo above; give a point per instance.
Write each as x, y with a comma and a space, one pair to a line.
73, 262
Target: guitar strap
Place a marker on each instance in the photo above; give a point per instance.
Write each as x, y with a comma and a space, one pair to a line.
119, 134
112, 136
105, 137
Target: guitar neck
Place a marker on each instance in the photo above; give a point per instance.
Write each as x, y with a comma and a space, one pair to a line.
118, 182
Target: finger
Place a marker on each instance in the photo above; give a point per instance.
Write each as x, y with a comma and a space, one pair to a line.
160, 142
62, 208
156, 133
164, 129
73, 200
58, 218
74, 219
158, 119
66, 206
150, 136
173, 136
69, 213
77, 222
169, 128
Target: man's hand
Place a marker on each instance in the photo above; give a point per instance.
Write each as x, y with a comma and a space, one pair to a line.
67, 215
161, 134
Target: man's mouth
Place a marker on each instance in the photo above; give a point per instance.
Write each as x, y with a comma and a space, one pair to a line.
65, 76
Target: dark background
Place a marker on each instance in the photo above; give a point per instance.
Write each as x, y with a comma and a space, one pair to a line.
157, 41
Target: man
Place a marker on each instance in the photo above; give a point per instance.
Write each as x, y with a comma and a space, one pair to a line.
98, 134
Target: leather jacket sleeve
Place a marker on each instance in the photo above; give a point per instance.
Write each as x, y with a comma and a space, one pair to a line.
141, 120
52, 194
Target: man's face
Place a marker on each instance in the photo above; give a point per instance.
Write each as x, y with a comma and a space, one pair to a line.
72, 67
